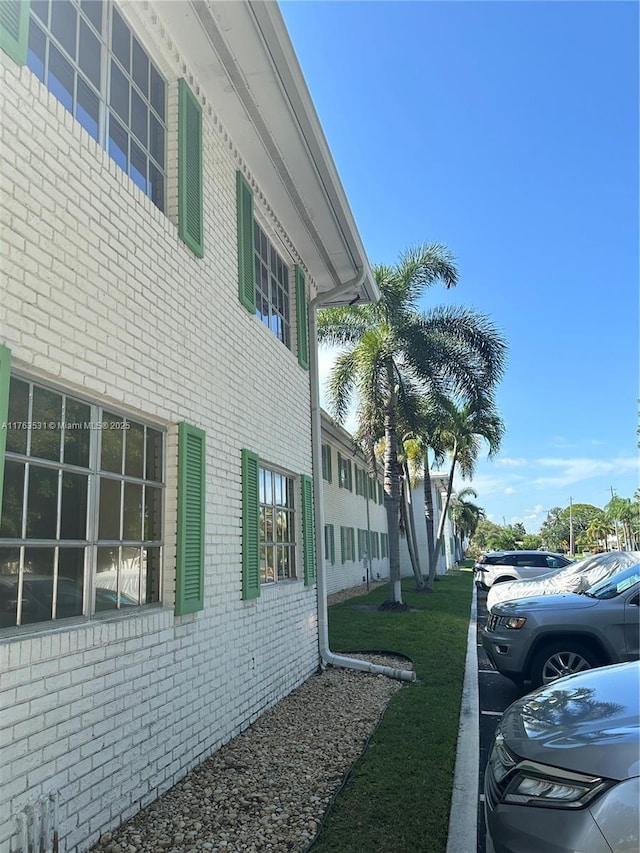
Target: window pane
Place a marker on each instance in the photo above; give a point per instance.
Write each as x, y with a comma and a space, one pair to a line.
70, 588
118, 143
134, 450
119, 93
42, 503
41, 9
106, 589
87, 108
73, 514
60, 78
154, 455
93, 11
138, 166
18, 411
132, 521
37, 585
151, 574
109, 515
158, 96
121, 40
268, 524
152, 514
89, 54
64, 24
111, 444
140, 68
130, 577
9, 570
77, 434
156, 142
47, 416
36, 51
139, 115
12, 498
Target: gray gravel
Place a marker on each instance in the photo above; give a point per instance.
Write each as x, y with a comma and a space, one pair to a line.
268, 789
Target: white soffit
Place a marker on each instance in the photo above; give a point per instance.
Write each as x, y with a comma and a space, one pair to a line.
241, 55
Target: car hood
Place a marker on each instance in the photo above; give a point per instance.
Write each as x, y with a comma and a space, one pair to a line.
588, 723
567, 601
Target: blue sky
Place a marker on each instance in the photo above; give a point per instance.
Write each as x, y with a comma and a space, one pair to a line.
508, 131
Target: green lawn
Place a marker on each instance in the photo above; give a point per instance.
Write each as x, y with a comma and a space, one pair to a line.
397, 797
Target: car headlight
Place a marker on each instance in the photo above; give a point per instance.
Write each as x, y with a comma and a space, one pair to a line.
515, 622
535, 784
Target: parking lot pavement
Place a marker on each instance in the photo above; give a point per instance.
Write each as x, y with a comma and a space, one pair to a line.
495, 694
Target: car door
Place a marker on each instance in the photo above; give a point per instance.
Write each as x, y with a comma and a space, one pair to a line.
632, 625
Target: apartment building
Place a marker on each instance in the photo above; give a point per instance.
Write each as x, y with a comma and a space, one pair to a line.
171, 220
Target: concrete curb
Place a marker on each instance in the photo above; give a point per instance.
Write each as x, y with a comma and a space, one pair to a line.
463, 819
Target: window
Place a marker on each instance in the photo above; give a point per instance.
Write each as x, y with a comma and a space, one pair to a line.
276, 526
272, 286
345, 480
384, 545
380, 494
348, 544
329, 544
89, 58
326, 463
363, 544
81, 528
375, 547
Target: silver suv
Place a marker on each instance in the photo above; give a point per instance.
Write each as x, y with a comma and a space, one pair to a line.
563, 772
500, 566
543, 638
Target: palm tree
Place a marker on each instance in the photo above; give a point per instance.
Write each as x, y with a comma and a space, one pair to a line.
599, 531
466, 516
464, 432
390, 350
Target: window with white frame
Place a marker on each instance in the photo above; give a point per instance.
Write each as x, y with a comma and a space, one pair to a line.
277, 526
81, 525
89, 58
348, 543
272, 286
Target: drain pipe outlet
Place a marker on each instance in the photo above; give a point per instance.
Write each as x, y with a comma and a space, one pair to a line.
328, 657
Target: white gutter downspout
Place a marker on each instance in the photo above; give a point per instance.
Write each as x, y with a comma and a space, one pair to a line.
327, 656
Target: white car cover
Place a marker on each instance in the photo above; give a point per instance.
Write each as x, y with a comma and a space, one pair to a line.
573, 578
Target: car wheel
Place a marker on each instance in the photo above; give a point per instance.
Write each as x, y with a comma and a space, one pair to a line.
559, 659
502, 580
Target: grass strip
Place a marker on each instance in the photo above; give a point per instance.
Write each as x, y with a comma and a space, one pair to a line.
398, 796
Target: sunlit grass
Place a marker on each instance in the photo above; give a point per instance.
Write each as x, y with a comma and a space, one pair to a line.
397, 797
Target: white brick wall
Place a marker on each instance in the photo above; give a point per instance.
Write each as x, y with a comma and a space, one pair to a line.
100, 296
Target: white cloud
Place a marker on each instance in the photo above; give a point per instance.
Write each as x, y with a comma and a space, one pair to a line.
512, 463
570, 471
510, 490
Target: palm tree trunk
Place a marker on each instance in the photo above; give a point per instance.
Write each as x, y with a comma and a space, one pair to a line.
443, 518
428, 508
392, 491
406, 507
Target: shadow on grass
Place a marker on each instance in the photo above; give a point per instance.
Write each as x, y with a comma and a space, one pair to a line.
398, 794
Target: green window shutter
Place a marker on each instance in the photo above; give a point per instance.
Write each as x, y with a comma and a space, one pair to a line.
339, 470
5, 370
14, 29
329, 472
191, 520
342, 543
246, 263
332, 545
250, 527
307, 531
301, 319
190, 194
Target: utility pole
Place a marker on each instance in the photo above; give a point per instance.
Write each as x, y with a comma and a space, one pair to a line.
615, 521
571, 527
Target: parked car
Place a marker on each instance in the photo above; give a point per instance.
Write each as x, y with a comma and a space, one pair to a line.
563, 772
504, 566
548, 636
575, 577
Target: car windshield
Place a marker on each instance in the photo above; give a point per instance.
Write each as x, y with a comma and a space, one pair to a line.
617, 584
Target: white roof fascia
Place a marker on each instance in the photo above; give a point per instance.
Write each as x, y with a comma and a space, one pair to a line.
241, 56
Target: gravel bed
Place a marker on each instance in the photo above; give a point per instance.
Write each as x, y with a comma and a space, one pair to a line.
267, 790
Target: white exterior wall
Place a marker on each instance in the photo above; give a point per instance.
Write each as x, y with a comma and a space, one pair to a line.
344, 508
100, 296
446, 559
